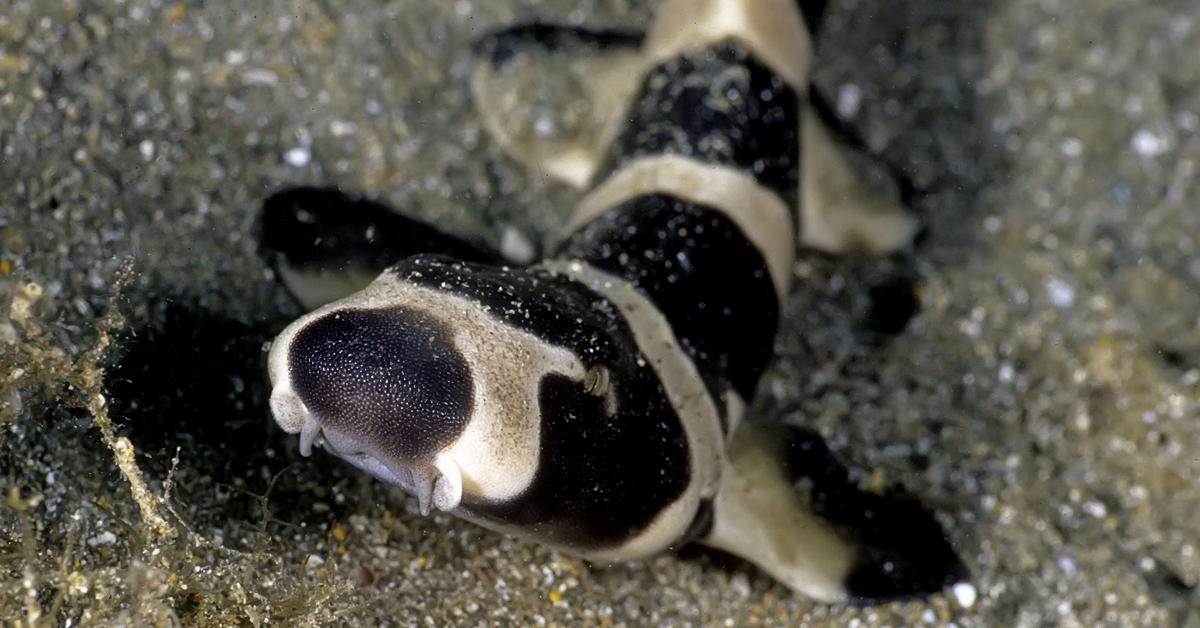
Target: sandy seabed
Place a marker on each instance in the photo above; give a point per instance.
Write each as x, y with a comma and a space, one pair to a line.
1043, 401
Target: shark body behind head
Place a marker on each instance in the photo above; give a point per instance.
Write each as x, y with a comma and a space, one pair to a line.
594, 401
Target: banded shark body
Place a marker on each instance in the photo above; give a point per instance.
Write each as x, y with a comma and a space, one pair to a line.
594, 400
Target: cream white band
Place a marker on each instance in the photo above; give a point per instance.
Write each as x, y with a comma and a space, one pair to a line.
760, 214
773, 29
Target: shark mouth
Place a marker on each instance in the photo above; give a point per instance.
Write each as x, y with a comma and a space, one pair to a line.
435, 484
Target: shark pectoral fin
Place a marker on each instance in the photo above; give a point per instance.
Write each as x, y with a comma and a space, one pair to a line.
835, 543
552, 96
849, 201
325, 244
759, 515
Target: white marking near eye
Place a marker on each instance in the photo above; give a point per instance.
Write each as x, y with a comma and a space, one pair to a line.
760, 214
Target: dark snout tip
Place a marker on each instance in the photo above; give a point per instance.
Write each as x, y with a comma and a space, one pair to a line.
391, 377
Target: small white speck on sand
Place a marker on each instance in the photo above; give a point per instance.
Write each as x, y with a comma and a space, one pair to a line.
104, 538
298, 157
545, 126
964, 594
259, 76
849, 99
1149, 144
1061, 293
1006, 373
516, 246
341, 128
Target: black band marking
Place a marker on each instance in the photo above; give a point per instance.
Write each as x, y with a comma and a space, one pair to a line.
708, 280
902, 551
720, 105
601, 478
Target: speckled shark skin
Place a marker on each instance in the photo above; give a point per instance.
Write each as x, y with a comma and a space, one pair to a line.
594, 401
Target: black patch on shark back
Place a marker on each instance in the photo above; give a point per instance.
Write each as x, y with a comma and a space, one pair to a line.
601, 479
721, 106
392, 376
902, 550
708, 280
500, 46
325, 227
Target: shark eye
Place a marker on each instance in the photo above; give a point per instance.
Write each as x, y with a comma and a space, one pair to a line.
389, 380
